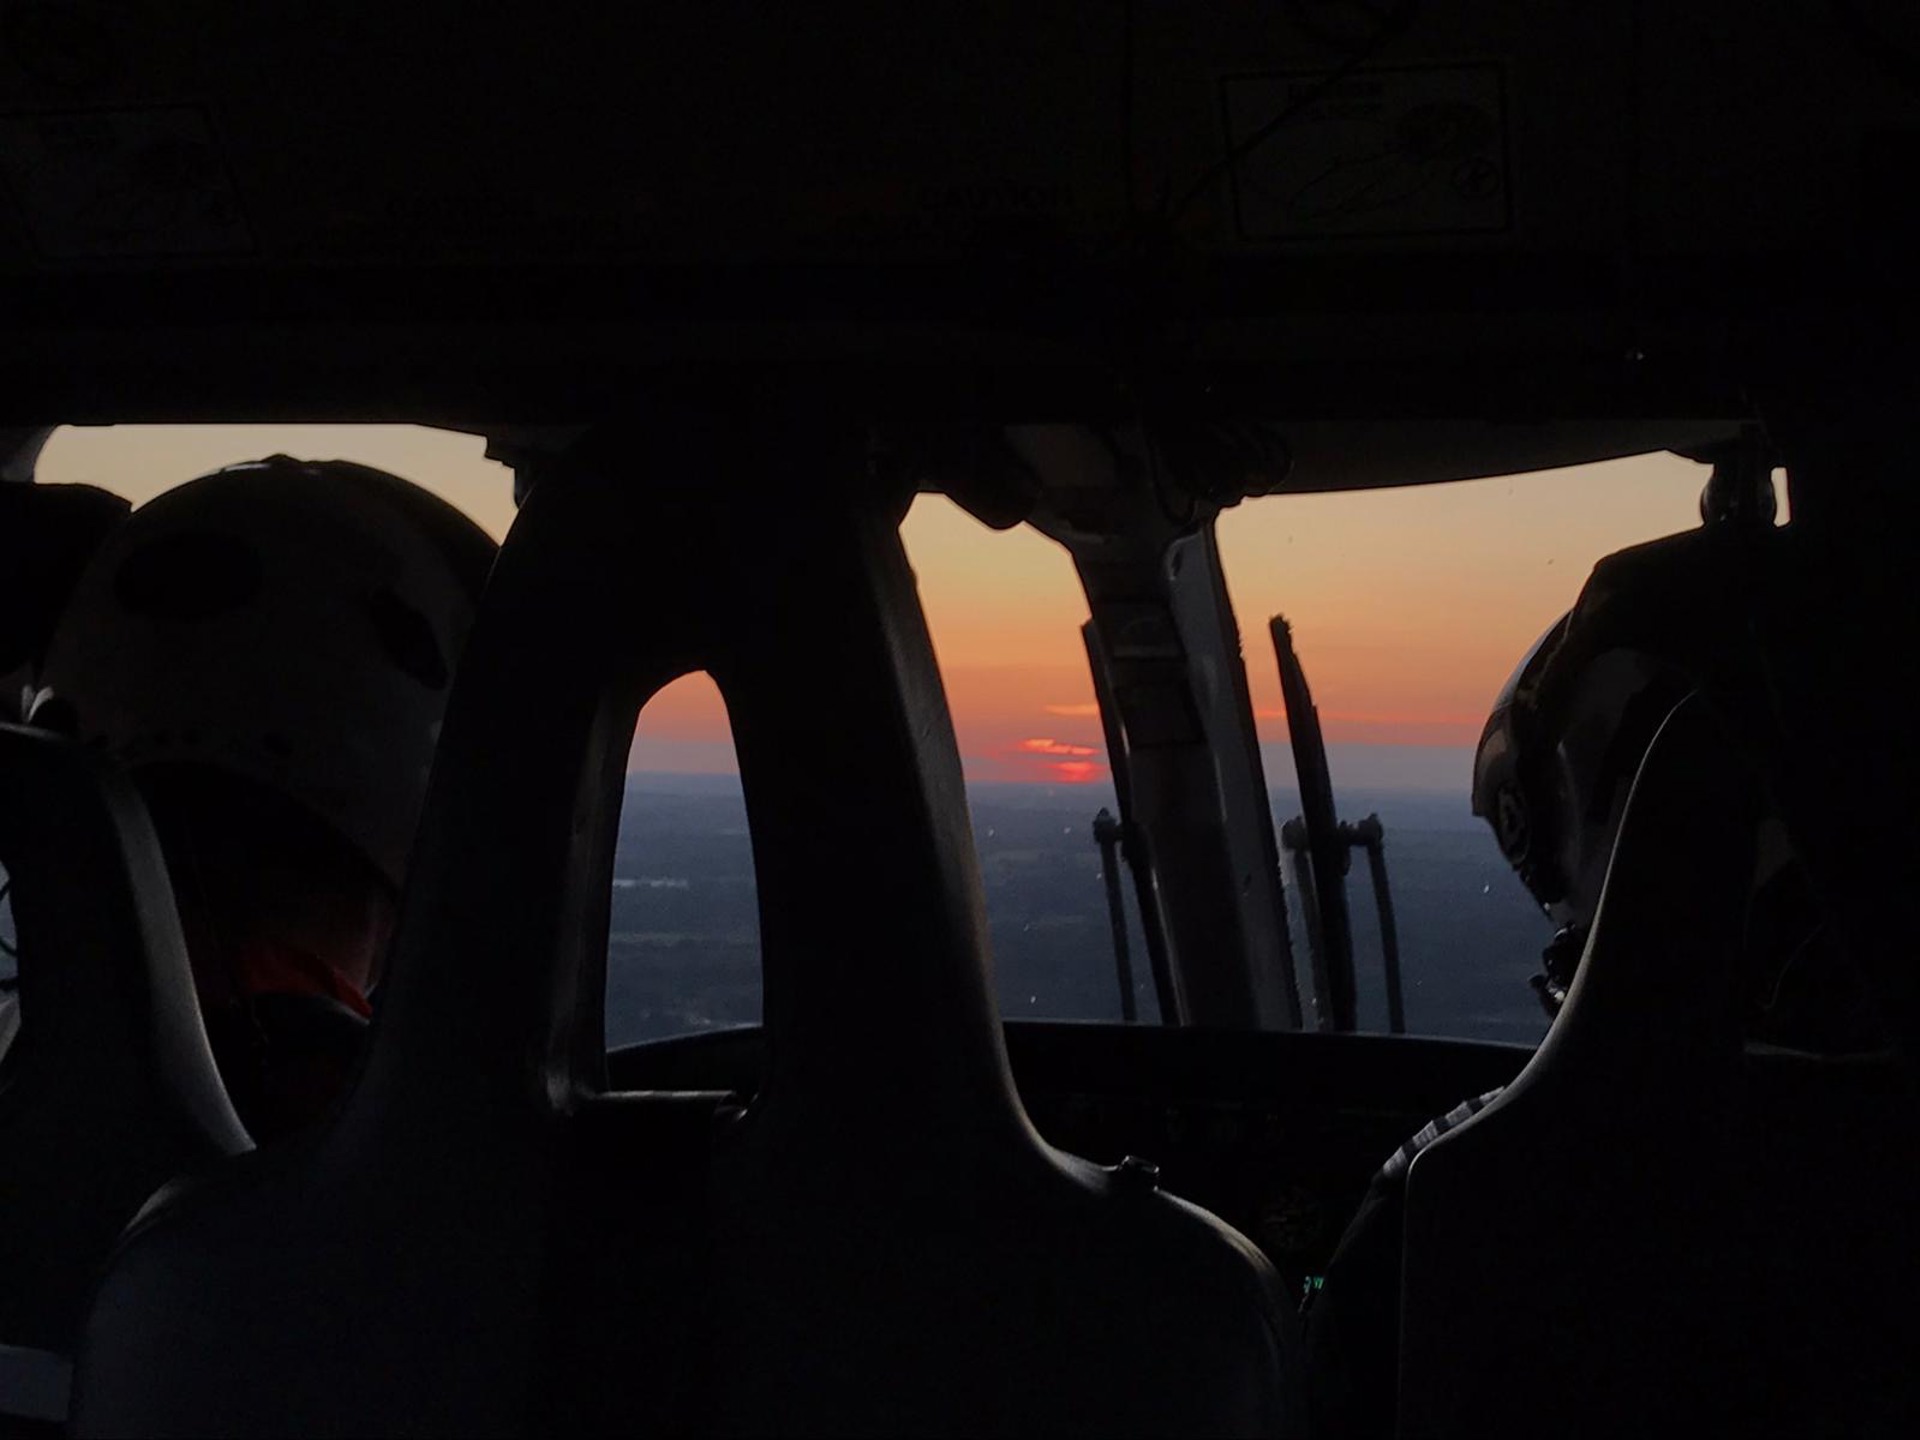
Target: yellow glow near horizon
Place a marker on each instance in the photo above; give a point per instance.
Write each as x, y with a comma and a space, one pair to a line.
140, 461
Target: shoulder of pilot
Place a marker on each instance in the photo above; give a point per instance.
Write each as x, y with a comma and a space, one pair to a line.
1396, 1167
1689, 563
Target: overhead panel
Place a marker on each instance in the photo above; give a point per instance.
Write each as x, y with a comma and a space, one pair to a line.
1449, 198
360, 130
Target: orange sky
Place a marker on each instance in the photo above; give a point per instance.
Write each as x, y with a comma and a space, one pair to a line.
1409, 607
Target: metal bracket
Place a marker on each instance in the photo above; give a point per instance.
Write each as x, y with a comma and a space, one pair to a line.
1173, 688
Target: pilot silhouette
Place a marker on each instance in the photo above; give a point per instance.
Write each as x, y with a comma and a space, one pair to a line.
1552, 774
267, 650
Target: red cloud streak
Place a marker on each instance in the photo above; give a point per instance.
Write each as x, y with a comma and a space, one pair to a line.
1076, 772
1050, 746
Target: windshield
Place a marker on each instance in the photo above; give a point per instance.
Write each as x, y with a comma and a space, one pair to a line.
1410, 609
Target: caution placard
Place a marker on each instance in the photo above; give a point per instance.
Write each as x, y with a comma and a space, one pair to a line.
1418, 150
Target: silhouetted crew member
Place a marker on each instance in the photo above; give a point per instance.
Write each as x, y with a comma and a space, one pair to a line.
1552, 774
268, 651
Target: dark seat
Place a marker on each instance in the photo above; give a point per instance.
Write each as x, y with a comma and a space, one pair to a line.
110, 1087
1575, 1256
486, 1242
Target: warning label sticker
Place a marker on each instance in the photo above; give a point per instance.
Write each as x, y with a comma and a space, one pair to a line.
111, 183
1419, 150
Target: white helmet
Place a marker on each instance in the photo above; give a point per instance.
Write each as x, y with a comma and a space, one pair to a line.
294, 623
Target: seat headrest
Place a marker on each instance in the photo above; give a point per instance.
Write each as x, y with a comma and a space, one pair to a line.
106, 990
1577, 1229
799, 603
111, 1087
1657, 994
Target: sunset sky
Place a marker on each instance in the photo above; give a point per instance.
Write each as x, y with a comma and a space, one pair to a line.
1409, 607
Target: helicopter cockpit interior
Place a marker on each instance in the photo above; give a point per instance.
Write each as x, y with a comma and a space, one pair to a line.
729, 310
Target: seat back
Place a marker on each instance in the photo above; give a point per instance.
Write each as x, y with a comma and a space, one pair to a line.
109, 1088
485, 1242
1574, 1253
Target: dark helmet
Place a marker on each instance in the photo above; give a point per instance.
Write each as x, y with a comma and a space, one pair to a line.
1566, 736
1559, 753
287, 622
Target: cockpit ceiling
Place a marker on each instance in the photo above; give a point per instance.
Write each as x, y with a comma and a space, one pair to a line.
520, 205
364, 133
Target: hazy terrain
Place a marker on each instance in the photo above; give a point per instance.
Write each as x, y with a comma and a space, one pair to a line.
684, 945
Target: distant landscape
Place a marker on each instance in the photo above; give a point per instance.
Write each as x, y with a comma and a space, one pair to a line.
683, 951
